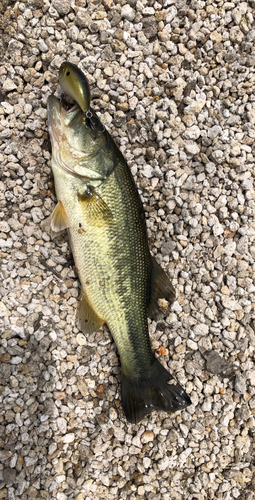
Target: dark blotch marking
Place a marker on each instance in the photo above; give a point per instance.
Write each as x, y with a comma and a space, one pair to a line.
88, 193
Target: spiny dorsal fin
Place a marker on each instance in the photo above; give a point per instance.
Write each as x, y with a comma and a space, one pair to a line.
59, 219
161, 288
88, 320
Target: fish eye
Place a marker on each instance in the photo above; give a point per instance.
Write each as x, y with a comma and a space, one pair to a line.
67, 73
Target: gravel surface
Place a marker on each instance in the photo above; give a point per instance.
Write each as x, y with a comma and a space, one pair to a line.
174, 83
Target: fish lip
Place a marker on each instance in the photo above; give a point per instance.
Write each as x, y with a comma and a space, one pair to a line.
53, 114
53, 106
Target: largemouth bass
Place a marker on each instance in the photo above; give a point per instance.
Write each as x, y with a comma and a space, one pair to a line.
121, 283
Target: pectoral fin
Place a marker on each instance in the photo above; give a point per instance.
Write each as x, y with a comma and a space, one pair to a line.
96, 209
88, 320
161, 287
59, 219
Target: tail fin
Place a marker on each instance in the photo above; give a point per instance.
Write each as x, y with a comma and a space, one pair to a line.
150, 391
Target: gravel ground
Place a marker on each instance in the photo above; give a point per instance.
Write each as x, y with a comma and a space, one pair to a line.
174, 83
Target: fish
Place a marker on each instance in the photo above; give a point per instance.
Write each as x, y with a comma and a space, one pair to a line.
121, 283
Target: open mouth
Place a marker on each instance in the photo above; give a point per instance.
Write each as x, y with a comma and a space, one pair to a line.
62, 113
69, 116
60, 123
67, 151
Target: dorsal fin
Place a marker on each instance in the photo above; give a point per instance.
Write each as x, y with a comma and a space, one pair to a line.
161, 288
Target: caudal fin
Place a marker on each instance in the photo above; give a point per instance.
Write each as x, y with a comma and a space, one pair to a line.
151, 391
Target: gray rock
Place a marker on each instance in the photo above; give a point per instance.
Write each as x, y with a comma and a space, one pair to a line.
247, 185
251, 36
168, 247
191, 148
217, 155
251, 116
150, 28
42, 46
83, 19
9, 85
172, 11
147, 171
9, 476
230, 303
236, 35
8, 108
214, 132
62, 6
242, 245
128, 13
192, 133
217, 229
240, 384
201, 329
215, 363
230, 248
62, 424
163, 463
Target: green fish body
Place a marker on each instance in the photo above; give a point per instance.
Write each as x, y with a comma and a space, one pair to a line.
99, 205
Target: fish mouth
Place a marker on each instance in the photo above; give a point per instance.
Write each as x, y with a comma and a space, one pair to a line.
58, 114
63, 126
61, 123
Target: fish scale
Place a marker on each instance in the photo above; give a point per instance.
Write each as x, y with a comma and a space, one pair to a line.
101, 254
99, 205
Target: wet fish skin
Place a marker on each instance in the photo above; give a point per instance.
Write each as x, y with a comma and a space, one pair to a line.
99, 205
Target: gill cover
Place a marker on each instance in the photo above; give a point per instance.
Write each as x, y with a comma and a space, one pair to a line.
75, 84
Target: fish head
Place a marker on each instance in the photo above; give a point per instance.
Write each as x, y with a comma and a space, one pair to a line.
77, 135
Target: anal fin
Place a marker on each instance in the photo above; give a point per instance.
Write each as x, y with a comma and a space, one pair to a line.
59, 220
88, 320
161, 288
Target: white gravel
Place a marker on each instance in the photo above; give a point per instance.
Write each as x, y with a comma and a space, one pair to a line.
174, 83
